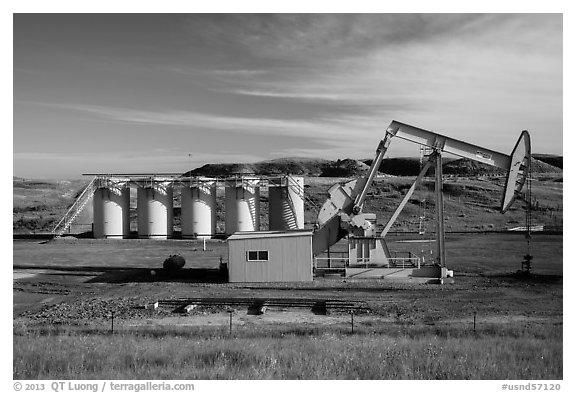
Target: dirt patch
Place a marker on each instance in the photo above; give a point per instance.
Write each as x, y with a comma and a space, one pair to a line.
19, 275
244, 318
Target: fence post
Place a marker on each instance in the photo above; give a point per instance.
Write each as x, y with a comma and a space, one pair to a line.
230, 312
112, 327
352, 320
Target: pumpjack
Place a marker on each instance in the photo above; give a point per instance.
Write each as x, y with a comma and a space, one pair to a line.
342, 214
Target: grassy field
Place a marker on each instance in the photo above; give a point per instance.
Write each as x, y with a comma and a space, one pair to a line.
292, 353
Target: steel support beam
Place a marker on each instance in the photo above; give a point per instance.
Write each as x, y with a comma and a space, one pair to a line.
400, 207
440, 213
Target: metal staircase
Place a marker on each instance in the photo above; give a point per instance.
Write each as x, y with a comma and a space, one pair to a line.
75, 209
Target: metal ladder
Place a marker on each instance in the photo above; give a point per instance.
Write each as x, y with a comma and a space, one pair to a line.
75, 209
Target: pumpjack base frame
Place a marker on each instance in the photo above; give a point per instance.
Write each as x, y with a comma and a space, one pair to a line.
422, 274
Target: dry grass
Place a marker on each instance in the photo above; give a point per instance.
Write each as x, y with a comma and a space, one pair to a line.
390, 352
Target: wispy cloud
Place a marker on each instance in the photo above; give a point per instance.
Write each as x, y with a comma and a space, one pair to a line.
407, 75
296, 36
471, 65
490, 75
237, 72
322, 94
331, 130
290, 94
229, 73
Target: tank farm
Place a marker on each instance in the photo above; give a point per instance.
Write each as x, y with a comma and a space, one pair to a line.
155, 205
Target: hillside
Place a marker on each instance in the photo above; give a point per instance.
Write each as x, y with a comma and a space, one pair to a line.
410, 166
39, 204
550, 159
402, 166
398, 166
281, 166
466, 167
344, 168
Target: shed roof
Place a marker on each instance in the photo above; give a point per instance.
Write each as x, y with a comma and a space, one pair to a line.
269, 234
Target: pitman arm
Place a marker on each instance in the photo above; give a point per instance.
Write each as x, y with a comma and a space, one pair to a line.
367, 180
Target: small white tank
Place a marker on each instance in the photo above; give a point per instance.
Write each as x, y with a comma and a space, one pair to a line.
111, 212
286, 203
198, 217
155, 211
242, 205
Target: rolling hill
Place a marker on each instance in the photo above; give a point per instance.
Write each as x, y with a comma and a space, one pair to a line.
399, 166
465, 167
39, 204
550, 159
293, 166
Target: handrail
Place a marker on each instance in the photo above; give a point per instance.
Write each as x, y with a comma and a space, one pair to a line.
292, 183
396, 262
75, 209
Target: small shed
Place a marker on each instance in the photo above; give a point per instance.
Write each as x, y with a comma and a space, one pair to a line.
270, 256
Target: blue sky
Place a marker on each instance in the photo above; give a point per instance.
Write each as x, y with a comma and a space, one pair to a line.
129, 93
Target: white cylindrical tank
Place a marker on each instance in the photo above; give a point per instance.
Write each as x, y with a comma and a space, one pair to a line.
286, 203
198, 217
155, 211
111, 212
242, 205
